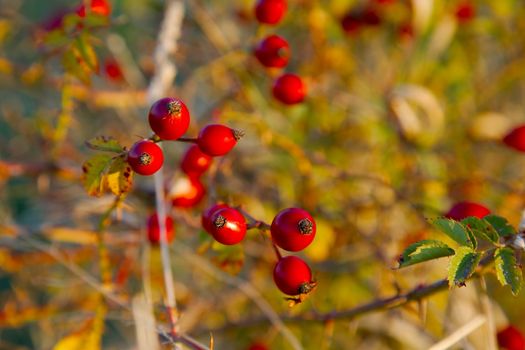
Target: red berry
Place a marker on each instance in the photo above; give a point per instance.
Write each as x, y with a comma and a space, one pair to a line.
511, 338
169, 118
351, 23
293, 276
293, 229
207, 214
270, 11
463, 210
145, 157
465, 12
154, 229
99, 7
289, 89
370, 17
228, 226
273, 51
406, 31
113, 71
195, 162
258, 346
516, 138
187, 192
217, 140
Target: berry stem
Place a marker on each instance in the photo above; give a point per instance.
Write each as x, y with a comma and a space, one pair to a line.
187, 139
277, 252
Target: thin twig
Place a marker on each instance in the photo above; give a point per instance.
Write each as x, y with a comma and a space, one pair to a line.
459, 334
160, 84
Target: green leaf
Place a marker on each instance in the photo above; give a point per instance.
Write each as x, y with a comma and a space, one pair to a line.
481, 228
423, 251
501, 225
119, 177
105, 144
507, 271
456, 231
94, 170
105, 173
462, 266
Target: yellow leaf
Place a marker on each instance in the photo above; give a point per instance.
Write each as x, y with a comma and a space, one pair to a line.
88, 337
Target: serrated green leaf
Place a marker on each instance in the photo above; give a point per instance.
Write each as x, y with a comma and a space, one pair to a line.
507, 271
119, 177
423, 251
105, 144
481, 228
501, 225
94, 170
455, 230
462, 265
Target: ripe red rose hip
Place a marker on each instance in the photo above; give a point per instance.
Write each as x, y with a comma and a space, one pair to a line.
462, 210
145, 157
154, 229
228, 226
169, 118
273, 51
187, 192
293, 276
217, 139
270, 11
206, 222
511, 338
289, 89
465, 12
516, 138
293, 229
195, 162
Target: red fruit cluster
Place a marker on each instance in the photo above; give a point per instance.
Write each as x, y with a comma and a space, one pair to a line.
153, 228
372, 15
462, 210
274, 52
511, 338
227, 225
169, 118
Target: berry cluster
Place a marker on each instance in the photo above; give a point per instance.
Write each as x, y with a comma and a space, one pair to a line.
274, 52
292, 229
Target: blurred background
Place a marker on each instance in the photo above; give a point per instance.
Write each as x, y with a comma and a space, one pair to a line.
407, 103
